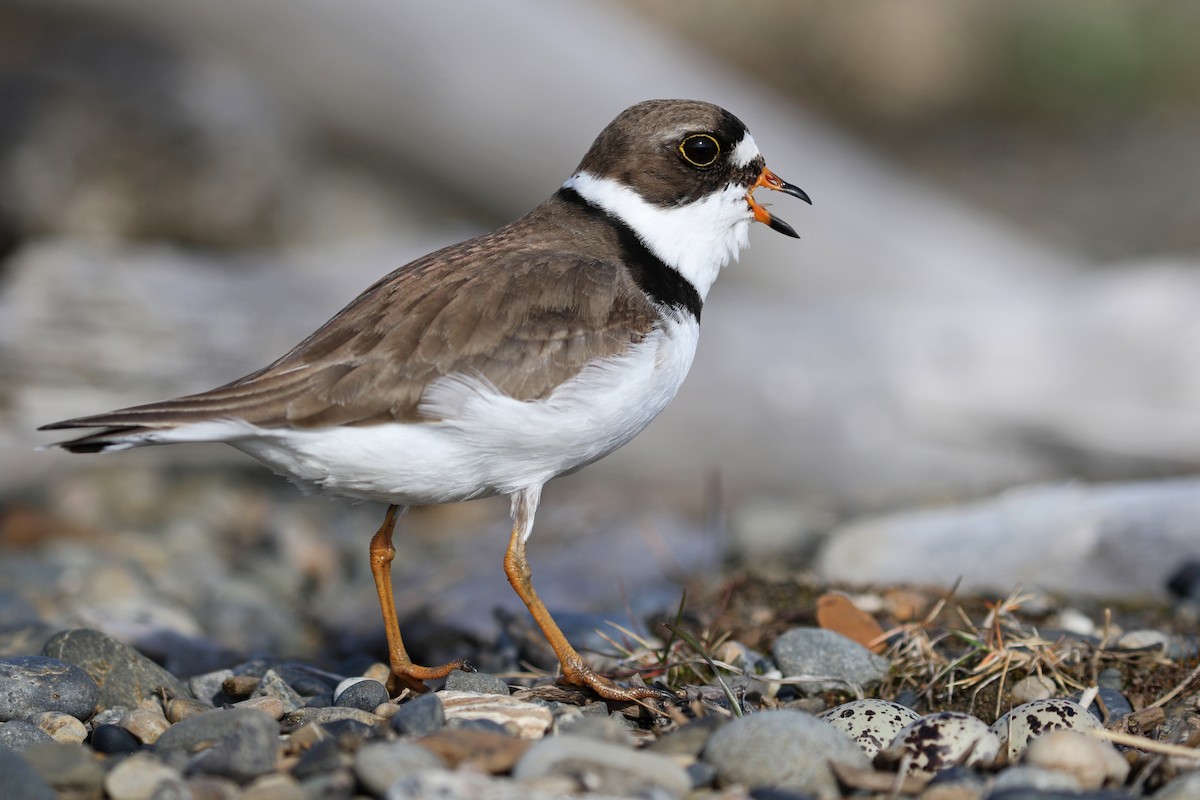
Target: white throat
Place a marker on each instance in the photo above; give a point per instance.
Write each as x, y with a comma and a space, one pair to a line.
696, 238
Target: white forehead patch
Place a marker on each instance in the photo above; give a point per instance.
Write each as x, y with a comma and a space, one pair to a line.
745, 152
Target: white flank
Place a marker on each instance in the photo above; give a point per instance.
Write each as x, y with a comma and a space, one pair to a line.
745, 152
696, 238
485, 442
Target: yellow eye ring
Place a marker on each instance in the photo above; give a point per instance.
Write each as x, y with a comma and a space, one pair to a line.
700, 150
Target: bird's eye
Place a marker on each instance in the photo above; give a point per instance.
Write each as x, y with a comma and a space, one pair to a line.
700, 150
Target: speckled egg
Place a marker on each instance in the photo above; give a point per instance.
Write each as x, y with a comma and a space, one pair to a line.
1026, 722
939, 741
872, 724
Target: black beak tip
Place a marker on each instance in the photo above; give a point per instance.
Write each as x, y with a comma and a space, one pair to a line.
776, 224
796, 191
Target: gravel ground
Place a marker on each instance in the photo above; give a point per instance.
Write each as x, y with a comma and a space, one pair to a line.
768, 687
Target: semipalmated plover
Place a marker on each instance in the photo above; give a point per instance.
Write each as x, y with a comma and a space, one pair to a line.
493, 365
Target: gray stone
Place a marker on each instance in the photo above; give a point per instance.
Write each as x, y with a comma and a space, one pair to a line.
380, 764
420, 716
1184, 787
1035, 779
66, 767
329, 714
481, 682
141, 777
273, 685
689, 739
123, 676
30, 685
833, 661
20, 781
365, 695
239, 744
603, 767
207, 687
17, 735
782, 750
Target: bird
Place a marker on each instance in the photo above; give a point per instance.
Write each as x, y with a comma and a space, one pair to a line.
493, 365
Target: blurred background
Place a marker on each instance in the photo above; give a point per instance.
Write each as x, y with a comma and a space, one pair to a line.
979, 361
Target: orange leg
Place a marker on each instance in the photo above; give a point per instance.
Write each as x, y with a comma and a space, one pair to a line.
516, 567
405, 674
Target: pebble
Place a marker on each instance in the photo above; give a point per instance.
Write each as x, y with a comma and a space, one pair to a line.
1034, 687
592, 726
518, 717
33, 684
1110, 704
326, 714
363, 694
325, 756
871, 724
689, 739
273, 686
183, 707
477, 682
124, 676
111, 739
271, 706
785, 749
420, 716
17, 735
603, 767
1037, 779
69, 768
144, 724
276, 786
1021, 725
20, 781
1144, 640
378, 765
940, 741
61, 727
1091, 761
834, 662
485, 751
209, 687
140, 777
246, 743
1183, 787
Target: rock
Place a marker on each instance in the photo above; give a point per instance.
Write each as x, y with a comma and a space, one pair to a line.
947, 739
33, 684
689, 739
605, 729
380, 764
871, 724
445, 785
183, 707
478, 682
1109, 705
420, 716
833, 661
245, 746
1183, 787
140, 777
1034, 779
20, 781
329, 714
111, 739
323, 757
485, 751
1023, 724
144, 724
123, 676
210, 687
1144, 640
274, 686
1091, 761
62, 728
603, 767
1034, 687
518, 717
276, 786
362, 694
786, 749
16, 735
69, 768
273, 707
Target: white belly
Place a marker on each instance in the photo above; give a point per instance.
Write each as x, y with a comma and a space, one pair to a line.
486, 443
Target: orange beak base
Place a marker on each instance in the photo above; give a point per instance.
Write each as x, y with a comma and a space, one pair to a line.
772, 181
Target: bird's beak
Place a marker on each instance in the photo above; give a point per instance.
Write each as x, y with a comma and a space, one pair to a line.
772, 181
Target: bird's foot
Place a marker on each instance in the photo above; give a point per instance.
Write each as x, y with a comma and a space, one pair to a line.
407, 675
583, 675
